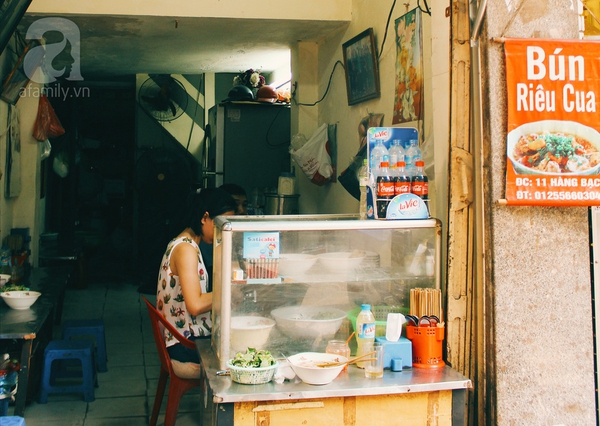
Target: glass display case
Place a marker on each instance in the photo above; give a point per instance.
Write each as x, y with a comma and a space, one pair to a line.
290, 284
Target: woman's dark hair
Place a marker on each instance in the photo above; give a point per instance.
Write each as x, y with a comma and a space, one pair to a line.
215, 201
233, 189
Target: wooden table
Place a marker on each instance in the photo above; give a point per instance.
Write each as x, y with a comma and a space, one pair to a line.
31, 329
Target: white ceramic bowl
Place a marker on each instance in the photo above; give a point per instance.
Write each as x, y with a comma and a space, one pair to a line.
304, 366
20, 299
566, 127
250, 332
308, 322
295, 263
4, 278
342, 261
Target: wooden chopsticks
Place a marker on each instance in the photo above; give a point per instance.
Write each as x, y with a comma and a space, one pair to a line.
350, 361
426, 302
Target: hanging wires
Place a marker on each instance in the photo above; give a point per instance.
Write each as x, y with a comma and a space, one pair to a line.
387, 25
338, 62
427, 10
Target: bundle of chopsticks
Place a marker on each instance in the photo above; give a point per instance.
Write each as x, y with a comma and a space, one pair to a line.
425, 302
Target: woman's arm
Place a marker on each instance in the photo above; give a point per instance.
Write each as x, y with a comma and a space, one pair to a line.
184, 263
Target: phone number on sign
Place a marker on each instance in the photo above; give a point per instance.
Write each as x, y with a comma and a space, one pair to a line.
557, 195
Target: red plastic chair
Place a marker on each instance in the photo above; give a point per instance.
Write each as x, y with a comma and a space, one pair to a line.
177, 385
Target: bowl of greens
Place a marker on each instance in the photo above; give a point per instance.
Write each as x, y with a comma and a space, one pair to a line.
252, 367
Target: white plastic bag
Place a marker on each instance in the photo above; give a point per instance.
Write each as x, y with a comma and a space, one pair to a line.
313, 158
46, 149
60, 164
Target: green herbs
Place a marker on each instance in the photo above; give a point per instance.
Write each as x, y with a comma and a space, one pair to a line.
561, 146
13, 287
253, 359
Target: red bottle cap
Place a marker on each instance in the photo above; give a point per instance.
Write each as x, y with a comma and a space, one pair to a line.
420, 163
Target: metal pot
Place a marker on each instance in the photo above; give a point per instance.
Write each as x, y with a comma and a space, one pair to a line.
281, 204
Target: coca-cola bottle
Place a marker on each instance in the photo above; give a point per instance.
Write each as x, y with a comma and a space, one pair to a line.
385, 189
402, 181
420, 183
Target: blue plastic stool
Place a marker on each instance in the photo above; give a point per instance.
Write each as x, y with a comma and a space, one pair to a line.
88, 327
12, 421
58, 350
4, 407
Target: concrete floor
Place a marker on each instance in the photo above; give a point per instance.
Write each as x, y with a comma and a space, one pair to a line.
126, 392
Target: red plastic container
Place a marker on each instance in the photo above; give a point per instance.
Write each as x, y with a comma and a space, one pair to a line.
426, 346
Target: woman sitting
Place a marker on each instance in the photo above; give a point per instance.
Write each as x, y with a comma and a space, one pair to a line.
182, 295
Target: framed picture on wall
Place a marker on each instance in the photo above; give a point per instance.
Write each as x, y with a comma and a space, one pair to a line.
362, 69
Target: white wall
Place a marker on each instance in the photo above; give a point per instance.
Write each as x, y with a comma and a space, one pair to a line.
308, 60
25, 210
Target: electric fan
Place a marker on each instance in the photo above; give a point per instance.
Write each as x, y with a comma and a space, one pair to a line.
163, 97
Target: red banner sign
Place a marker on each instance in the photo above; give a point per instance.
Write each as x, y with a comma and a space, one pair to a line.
553, 138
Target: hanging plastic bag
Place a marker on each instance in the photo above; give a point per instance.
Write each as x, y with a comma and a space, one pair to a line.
313, 157
60, 164
47, 125
348, 178
46, 149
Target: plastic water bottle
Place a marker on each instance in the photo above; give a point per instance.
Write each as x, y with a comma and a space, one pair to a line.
413, 153
363, 181
365, 331
379, 153
420, 182
396, 154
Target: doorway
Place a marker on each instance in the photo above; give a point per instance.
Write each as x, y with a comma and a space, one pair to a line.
91, 207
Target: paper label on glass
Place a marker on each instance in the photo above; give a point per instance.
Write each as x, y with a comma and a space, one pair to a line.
261, 245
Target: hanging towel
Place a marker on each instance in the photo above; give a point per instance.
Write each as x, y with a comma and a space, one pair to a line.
13, 154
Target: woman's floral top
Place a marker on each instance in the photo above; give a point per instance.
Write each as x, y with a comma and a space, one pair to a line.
169, 298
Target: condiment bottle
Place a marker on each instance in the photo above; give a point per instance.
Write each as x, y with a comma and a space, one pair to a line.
338, 347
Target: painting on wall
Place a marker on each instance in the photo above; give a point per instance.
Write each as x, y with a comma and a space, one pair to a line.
409, 68
362, 70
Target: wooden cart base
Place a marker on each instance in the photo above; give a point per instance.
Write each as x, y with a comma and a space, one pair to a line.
430, 408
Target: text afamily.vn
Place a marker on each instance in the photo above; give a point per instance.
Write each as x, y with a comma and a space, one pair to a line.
55, 91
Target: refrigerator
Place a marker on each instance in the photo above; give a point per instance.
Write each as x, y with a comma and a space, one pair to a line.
247, 144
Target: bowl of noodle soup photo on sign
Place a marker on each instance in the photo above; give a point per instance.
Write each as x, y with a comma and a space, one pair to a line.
554, 147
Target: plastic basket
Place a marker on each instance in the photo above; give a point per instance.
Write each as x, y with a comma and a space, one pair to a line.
426, 346
380, 313
251, 376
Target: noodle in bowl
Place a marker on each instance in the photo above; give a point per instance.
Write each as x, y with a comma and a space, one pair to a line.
555, 148
305, 366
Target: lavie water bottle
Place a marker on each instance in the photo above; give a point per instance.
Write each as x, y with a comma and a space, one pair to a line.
365, 331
